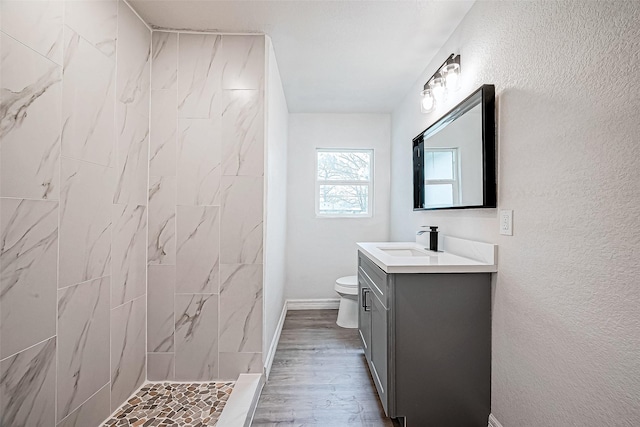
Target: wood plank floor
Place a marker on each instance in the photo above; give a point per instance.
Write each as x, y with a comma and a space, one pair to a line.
319, 377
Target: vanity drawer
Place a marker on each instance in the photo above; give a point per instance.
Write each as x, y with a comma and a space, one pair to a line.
379, 280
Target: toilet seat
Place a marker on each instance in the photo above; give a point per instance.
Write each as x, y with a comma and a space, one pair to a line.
347, 285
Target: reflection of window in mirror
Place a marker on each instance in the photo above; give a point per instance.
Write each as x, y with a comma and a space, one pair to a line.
441, 177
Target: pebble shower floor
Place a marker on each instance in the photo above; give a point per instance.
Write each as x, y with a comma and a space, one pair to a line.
173, 404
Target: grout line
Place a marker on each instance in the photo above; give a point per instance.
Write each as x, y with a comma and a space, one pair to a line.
77, 408
138, 15
212, 32
87, 281
28, 348
35, 51
127, 302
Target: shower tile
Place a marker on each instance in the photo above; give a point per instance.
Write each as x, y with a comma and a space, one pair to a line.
83, 343
234, 364
128, 353
199, 170
160, 294
92, 412
196, 337
164, 61
184, 405
85, 221
164, 131
88, 102
197, 255
199, 75
243, 133
30, 126
96, 21
28, 386
160, 366
37, 24
241, 220
132, 160
134, 61
129, 253
162, 220
28, 285
240, 307
244, 62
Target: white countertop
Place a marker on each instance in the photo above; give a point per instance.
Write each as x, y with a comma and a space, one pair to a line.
459, 256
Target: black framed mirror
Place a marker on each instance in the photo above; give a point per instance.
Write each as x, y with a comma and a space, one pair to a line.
454, 165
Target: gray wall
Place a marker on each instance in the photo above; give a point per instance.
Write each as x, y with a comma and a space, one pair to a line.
320, 250
206, 182
566, 324
276, 202
74, 126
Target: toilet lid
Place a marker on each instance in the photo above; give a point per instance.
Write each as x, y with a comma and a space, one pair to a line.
348, 281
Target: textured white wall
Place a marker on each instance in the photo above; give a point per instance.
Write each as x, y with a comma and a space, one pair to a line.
276, 199
566, 323
319, 250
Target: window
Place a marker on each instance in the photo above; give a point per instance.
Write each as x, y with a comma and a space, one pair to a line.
344, 182
441, 181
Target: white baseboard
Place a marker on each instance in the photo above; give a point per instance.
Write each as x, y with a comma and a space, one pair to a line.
313, 304
493, 422
274, 343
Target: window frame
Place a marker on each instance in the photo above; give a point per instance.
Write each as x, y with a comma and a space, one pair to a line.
369, 183
455, 182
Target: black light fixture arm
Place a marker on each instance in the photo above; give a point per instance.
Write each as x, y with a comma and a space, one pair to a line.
449, 59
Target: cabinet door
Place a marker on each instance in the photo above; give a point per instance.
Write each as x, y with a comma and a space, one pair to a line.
379, 348
364, 316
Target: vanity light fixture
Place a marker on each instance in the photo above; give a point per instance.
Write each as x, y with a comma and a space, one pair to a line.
446, 78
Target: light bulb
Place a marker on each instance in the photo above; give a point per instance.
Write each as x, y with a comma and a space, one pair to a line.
452, 76
427, 103
437, 86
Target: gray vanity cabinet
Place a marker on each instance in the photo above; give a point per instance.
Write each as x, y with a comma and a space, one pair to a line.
427, 341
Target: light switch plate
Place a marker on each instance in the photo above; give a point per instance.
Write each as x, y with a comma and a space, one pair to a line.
506, 222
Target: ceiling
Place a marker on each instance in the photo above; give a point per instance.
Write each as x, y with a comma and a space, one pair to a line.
357, 56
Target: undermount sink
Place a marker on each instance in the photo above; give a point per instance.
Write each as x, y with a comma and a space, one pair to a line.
404, 252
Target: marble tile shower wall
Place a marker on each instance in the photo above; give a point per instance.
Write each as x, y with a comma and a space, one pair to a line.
206, 170
74, 129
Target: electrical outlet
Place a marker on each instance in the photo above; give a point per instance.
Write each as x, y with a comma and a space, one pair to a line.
506, 222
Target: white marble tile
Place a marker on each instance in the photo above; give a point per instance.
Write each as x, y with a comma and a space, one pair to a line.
92, 412
128, 253
132, 159
28, 272
198, 168
243, 133
241, 220
160, 292
164, 130
199, 75
239, 408
88, 102
29, 123
240, 308
196, 337
234, 364
162, 220
164, 61
28, 387
96, 21
244, 62
83, 343
134, 61
37, 24
128, 353
160, 366
197, 255
85, 221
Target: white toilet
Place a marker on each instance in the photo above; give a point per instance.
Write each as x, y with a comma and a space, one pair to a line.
347, 287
